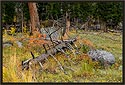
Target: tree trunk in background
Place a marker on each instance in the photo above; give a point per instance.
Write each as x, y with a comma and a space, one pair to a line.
104, 27
67, 25
34, 18
67, 22
22, 20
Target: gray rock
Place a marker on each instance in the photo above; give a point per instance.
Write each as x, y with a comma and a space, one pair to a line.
102, 56
19, 44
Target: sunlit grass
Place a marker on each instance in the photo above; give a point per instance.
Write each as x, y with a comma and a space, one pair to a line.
85, 70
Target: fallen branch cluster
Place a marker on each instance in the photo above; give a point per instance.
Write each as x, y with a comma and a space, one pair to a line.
60, 47
51, 49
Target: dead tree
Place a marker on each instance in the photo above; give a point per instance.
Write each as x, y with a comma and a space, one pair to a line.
67, 21
52, 49
60, 47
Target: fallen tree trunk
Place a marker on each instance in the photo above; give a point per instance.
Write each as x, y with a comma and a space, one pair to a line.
61, 45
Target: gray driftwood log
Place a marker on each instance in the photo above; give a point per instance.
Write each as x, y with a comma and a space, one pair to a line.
60, 47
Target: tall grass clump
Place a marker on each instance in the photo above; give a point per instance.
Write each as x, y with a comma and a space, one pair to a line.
12, 71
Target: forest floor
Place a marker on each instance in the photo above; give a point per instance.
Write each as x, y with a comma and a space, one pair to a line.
85, 70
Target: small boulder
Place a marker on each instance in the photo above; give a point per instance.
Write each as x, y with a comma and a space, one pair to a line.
19, 44
102, 56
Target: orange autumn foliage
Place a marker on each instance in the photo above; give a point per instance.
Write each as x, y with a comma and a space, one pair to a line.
37, 39
83, 57
88, 43
39, 36
44, 35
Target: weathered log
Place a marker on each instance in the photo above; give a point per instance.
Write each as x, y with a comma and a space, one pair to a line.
52, 51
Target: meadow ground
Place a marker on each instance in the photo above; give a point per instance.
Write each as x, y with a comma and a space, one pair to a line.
85, 70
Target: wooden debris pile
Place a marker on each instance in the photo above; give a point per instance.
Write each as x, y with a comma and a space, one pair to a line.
51, 49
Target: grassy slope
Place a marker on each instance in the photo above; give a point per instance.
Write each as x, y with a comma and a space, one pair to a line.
84, 70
